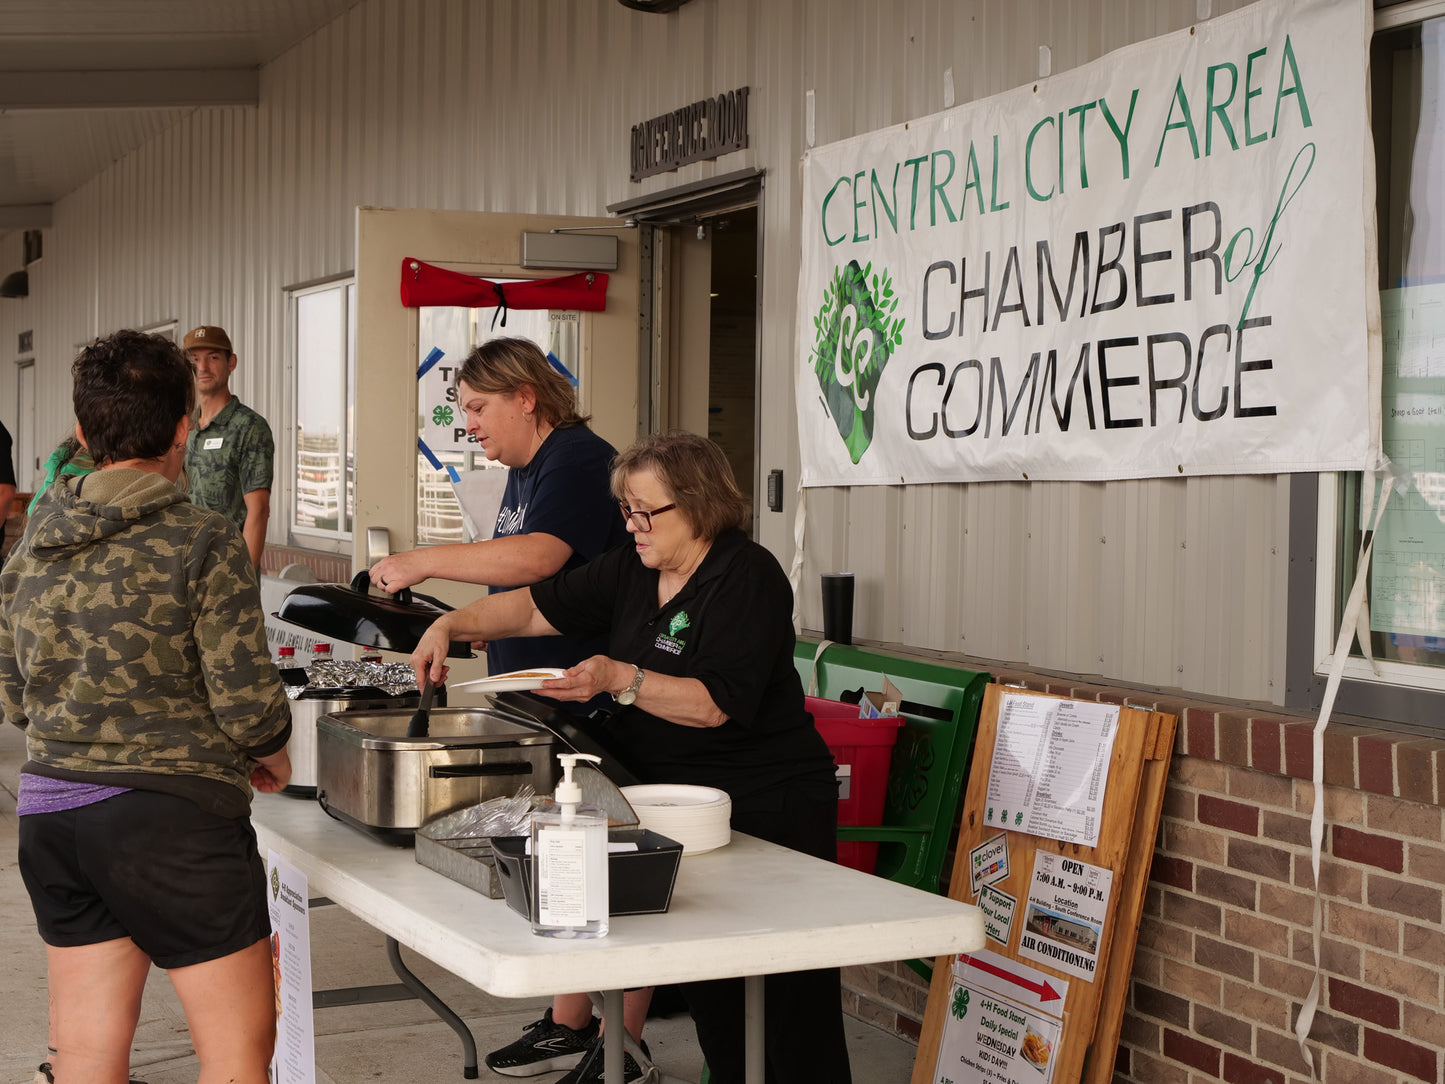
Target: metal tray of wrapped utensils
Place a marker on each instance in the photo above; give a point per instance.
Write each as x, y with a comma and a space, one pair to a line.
465, 858
458, 844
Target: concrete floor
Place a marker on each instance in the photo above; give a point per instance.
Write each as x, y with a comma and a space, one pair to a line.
361, 1044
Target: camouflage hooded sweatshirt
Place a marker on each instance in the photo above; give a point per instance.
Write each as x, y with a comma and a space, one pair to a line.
132, 643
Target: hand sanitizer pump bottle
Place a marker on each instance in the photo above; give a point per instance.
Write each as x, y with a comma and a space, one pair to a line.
569, 847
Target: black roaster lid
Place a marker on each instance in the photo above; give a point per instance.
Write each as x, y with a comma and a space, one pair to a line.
582, 735
352, 614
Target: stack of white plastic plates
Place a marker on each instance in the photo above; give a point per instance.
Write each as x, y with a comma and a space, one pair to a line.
697, 817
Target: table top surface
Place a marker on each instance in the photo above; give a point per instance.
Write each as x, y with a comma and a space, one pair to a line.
749, 908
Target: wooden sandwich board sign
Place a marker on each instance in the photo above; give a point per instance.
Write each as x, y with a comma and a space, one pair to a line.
1054, 847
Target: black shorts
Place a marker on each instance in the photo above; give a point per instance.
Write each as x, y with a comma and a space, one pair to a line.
185, 885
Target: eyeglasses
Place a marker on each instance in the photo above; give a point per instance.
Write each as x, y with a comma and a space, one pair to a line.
643, 520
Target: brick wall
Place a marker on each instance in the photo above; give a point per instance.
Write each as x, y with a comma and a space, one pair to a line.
1224, 958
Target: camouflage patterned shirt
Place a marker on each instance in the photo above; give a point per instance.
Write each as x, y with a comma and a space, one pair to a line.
229, 458
133, 646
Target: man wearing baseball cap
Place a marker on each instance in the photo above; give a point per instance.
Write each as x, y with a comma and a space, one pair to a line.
229, 454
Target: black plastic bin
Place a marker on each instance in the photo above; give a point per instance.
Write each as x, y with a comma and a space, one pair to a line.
638, 882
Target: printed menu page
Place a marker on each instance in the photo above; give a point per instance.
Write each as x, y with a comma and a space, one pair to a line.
295, 1058
1051, 767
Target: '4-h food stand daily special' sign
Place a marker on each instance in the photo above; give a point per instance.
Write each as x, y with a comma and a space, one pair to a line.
1155, 264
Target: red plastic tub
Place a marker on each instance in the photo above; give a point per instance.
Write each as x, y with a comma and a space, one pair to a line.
864, 747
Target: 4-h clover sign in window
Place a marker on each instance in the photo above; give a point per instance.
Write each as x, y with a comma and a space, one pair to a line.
456, 484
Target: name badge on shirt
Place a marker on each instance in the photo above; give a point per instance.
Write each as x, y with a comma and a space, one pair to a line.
212, 443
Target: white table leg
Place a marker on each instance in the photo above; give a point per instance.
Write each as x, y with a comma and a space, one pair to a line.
612, 1037
754, 1053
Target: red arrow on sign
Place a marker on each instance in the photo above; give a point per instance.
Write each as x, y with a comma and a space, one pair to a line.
1042, 990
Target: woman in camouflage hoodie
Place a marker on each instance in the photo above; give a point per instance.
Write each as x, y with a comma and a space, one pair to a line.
133, 654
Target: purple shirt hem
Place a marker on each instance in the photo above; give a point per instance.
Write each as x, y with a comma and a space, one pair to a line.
42, 794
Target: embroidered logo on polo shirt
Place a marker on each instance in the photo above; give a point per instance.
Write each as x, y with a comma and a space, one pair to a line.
668, 641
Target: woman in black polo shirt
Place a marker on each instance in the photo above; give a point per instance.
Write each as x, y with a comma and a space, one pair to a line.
698, 620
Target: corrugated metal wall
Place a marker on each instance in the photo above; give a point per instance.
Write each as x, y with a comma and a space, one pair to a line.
525, 105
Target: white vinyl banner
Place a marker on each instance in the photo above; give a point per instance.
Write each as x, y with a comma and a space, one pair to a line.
1155, 264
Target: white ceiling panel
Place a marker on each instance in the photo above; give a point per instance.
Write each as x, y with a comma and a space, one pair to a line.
148, 33
44, 155
84, 82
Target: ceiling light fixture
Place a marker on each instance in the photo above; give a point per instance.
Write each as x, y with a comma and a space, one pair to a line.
655, 7
15, 284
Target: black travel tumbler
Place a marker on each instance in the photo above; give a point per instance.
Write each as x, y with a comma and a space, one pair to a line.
838, 607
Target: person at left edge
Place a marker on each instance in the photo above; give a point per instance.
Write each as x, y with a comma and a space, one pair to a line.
7, 480
229, 454
133, 655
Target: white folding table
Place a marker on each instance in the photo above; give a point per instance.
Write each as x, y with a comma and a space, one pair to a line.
746, 910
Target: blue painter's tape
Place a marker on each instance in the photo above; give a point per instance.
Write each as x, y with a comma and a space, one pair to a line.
430, 457
557, 364
433, 356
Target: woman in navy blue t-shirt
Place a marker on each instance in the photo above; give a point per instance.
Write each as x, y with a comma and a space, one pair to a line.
557, 510
556, 513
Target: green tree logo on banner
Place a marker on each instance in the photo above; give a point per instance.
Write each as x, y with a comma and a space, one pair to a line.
855, 333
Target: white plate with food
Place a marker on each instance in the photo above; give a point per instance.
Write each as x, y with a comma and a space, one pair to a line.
515, 681
1036, 1049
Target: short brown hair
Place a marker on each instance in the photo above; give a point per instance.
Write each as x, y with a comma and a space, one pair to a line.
695, 473
505, 366
130, 392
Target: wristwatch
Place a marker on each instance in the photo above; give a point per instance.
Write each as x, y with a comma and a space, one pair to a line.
629, 694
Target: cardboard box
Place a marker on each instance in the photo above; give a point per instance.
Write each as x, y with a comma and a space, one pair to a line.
880, 705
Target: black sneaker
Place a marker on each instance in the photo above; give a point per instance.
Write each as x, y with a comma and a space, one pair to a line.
45, 1074
545, 1046
590, 1071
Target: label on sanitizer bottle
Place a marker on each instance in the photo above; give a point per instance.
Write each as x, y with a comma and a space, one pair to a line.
561, 877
